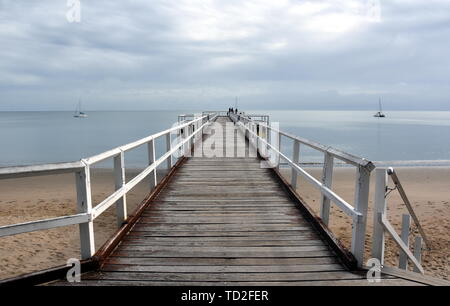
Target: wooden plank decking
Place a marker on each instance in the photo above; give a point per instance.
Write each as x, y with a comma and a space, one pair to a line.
224, 221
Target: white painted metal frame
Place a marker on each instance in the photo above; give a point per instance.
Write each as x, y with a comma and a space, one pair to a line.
364, 167
86, 213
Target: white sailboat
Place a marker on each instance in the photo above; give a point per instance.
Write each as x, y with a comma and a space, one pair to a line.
79, 113
379, 114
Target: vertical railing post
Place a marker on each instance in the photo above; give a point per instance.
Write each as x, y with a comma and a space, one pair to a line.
189, 142
151, 160
180, 140
84, 205
406, 224
295, 159
359, 223
263, 143
279, 149
327, 178
379, 208
119, 181
168, 148
258, 143
417, 252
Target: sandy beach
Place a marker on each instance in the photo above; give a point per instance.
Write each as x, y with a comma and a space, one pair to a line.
27, 199
428, 189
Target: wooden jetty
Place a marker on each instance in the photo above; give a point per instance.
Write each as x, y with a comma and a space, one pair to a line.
218, 220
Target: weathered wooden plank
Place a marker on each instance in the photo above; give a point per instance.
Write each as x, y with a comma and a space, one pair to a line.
223, 220
221, 190
237, 254
255, 243
217, 197
226, 203
217, 227
244, 238
201, 261
267, 234
341, 282
339, 275
245, 212
220, 249
224, 269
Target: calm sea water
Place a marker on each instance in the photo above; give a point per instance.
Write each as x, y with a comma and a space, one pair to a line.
402, 138
407, 138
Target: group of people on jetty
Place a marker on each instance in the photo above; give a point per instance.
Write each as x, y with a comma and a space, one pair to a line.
232, 111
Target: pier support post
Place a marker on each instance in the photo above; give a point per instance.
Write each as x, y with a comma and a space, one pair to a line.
406, 224
151, 160
327, 177
295, 159
119, 181
379, 208
84, 205
359, 223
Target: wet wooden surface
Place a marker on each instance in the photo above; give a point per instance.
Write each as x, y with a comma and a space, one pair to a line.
224, 221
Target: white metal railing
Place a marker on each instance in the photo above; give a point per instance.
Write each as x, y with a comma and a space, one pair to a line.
259, 134
187, 134
381, 224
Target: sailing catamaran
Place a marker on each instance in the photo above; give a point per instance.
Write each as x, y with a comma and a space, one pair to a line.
379, 114
79, 113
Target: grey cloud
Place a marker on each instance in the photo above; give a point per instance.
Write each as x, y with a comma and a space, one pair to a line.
169, 54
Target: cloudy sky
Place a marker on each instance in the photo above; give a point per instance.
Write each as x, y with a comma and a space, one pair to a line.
188, 54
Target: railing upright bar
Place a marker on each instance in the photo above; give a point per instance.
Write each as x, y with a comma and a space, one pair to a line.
327, 177
378, 236
361, 206
279, 149
151, 160
295, 159
168, 148
403, 258
84, 205
119, 180
417, 252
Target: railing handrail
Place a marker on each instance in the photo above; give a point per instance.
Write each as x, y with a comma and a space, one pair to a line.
53, 168
42, 169
358, 213
344, 156
87, 213
344, 205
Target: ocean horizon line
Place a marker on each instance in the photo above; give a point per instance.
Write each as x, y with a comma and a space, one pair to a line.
218, 109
